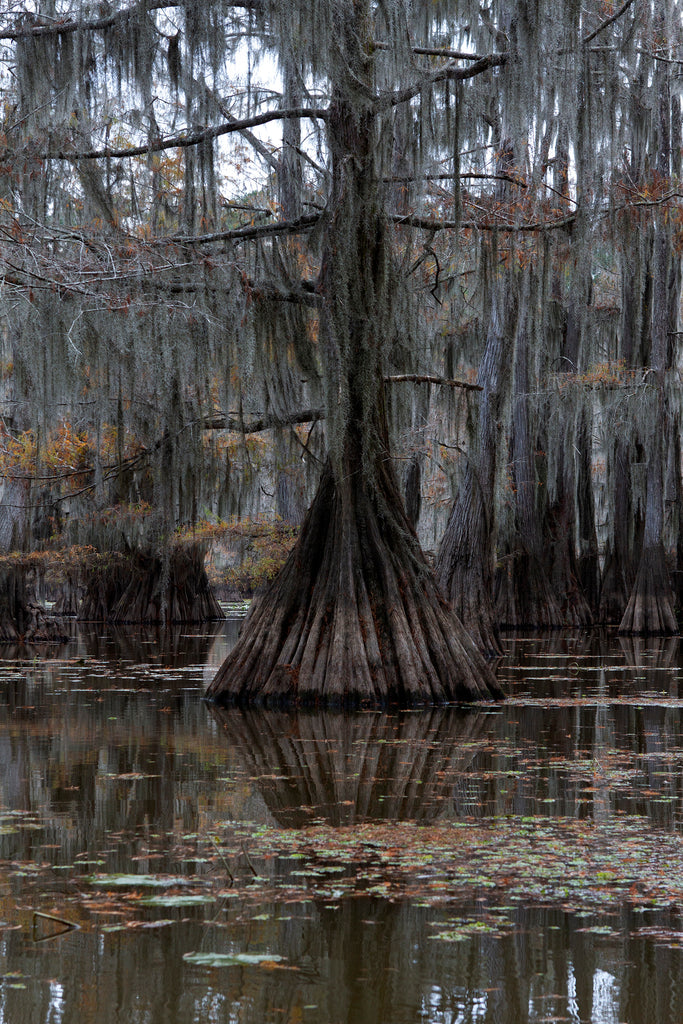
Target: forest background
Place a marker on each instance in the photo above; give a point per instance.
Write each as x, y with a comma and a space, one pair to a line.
415, 267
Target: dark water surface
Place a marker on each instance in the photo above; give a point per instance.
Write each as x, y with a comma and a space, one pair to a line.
521, 862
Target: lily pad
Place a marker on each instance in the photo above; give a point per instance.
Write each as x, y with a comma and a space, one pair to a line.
233, 959
150, 881
176, 901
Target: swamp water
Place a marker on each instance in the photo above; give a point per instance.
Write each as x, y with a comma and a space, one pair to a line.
161, 861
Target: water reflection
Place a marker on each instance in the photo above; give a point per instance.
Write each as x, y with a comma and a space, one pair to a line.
111, 762
344, 769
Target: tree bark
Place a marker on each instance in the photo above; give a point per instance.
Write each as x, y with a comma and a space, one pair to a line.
355, 617
625, 521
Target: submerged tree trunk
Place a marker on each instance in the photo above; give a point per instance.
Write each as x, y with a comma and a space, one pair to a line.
356, 615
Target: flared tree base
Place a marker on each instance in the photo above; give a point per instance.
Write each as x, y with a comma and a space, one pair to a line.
145, 588
355, 617
524, 596
471, 601
650, 610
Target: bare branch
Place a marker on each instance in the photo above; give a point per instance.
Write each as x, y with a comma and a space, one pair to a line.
185, 139
235, 423
428, 378
449, 72
435, 51
428, 224
608, 21
291, 227
407, 179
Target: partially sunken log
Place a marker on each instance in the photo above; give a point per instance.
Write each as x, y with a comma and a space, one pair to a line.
147, 588
355, 617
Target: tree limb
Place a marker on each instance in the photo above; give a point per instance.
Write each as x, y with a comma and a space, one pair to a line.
434, 51
449, 72
289, 227
428, 378
428, 224
235, 423
66, 26
605, 24
398, 179
185, 139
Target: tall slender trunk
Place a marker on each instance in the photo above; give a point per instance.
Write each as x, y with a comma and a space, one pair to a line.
651, 606
561, 521
465, 560
625, 522
524, 593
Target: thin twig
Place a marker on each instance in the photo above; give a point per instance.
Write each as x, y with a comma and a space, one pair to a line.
67, 926
225, 863
246, 857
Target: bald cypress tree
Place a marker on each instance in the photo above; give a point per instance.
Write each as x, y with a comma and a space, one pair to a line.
356, 614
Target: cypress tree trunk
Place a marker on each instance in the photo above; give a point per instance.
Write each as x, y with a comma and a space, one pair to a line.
573, 291
145, 587
651, 605
22, 618
561, 529
524, 594
356, 615
588, 559
464, 565
626, 526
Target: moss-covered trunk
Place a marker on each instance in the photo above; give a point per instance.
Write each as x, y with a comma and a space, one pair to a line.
356, 615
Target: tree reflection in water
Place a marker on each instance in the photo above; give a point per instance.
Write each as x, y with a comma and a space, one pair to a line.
348, 768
